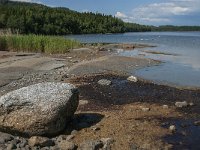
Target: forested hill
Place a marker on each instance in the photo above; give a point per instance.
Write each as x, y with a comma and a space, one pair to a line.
39, 19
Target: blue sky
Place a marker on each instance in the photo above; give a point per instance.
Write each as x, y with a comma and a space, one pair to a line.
150, 12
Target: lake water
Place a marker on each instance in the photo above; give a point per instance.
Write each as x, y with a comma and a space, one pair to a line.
180, 54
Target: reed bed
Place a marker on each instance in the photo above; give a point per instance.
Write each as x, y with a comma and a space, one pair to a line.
37, 43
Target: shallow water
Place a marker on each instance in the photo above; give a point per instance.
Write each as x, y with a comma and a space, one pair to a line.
181, 67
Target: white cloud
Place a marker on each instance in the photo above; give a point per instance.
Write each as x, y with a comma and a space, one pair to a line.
120, 15
161, 12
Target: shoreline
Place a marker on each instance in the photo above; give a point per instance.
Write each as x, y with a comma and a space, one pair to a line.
141, 112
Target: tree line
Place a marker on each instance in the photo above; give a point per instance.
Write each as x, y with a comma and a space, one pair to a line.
176, 28
33, 18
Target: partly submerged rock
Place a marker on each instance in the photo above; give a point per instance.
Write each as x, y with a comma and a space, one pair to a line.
104, 82
40, 109
132, 79
181, 104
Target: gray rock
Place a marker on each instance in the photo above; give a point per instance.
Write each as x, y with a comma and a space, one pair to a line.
23, 143
60, 138
107, 143
96, 128
74, 132
66, 145
45, 148
172, 128
11, 146
40, 141
4, 137
145, 109
55, 148
132, 79
191, 104
197, 123
165, 106
107, 140
134, 147
104, 82
181, 104
83, 102
40, 109
91, 145
70, 137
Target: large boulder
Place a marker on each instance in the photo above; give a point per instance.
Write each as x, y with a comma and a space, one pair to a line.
40, 109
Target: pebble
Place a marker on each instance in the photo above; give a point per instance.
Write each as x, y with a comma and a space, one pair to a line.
145, 109
107, 141
70, 137
40, 141
172, 128
96, 128
132, 79
66, 145
83, 102
104, 82
197, 123
91, 145
191, 104
4, 137
181, 104
11, 146
165, 106
74, 132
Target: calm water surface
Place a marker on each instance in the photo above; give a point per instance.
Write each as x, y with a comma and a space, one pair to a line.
181, 68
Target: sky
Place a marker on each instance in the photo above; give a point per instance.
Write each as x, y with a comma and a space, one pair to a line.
148, 12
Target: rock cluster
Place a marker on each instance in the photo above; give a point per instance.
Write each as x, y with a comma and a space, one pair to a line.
62, 142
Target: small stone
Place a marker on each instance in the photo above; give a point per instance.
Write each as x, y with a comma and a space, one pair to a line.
172, 128
40, 141
145, 109
45, 148
91, 145
83, 102
66, 145
197, 123
60, 138
133, 147
165, 106
183, 133
11, 146
70, 137
107, 141
4, 137
74, 132
55, 148
132, 79
96, 128
104, 82
181, 104
191, 104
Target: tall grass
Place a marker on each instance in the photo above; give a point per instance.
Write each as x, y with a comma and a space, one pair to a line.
37, 43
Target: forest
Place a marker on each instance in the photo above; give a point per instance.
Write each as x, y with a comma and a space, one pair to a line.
31, 18
176, 28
